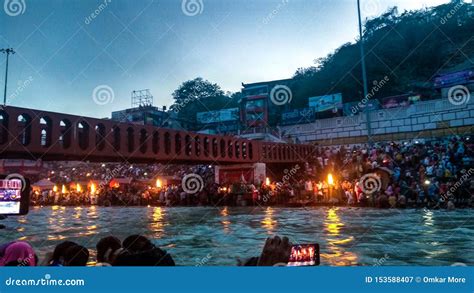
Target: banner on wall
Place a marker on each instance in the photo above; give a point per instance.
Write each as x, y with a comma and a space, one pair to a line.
400, 101
326, 103
218, 116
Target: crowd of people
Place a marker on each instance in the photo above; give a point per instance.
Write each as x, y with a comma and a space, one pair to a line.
433, 174
135, 250
429, 174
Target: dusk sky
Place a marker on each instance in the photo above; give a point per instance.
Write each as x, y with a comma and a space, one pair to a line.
63, 53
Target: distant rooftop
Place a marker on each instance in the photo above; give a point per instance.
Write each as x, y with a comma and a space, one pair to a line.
255, 84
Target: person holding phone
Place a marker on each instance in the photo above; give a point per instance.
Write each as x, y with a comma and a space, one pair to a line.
14, 195
281, 252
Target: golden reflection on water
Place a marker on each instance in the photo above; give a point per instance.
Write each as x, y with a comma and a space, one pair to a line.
57, 216
56, 237
268, 223
336, 255
22, 220
157, 224
225, 220
78, 213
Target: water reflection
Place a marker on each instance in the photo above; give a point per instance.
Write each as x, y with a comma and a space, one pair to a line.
347, 236
92, 212
269, 223
78, 213
158, 224
56, 237
225, 220
336, 254
333, 223
56, 222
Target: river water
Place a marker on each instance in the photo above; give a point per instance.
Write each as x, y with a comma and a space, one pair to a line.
218, 236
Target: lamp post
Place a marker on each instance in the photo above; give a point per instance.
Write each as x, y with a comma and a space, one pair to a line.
7, 51
364, 75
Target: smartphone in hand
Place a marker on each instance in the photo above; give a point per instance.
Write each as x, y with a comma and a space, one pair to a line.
14, 196
304, 255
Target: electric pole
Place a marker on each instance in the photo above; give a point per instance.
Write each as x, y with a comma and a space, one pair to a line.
364, 76
7, 51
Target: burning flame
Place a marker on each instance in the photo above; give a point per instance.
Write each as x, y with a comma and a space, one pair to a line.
159, 184
93, 188
330, 179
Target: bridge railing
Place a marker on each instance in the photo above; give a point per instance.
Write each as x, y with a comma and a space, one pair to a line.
35, 134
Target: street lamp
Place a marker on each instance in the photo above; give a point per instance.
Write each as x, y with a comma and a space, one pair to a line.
7, 51
364, 76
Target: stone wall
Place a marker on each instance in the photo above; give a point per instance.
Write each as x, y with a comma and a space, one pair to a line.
421, 117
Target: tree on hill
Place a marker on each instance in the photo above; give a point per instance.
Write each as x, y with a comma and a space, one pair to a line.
199, 95
409, 48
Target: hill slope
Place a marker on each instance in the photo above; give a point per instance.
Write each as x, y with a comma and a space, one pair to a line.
409, 48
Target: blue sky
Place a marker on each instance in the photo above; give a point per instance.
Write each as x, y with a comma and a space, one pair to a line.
63, 53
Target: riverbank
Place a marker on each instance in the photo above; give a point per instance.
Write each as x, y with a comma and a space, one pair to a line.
430, 206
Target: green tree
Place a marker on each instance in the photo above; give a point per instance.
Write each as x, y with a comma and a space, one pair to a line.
199, 95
